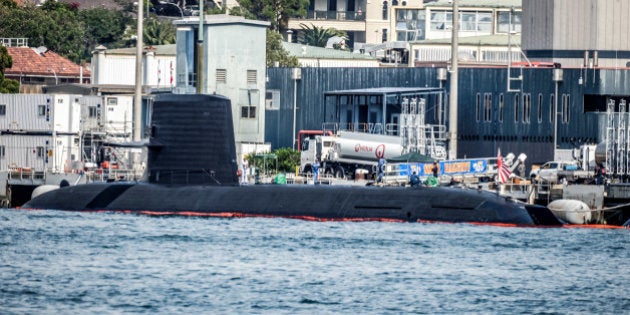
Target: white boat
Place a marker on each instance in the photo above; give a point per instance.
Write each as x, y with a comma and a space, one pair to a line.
571, 211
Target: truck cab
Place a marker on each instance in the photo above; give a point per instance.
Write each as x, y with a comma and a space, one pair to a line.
548, 172
316, 148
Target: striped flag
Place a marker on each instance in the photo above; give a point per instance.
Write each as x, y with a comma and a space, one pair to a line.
503, 171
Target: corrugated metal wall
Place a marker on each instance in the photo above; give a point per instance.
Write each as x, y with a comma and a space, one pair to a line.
477, 139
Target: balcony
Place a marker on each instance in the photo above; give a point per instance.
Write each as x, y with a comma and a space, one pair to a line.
335, 15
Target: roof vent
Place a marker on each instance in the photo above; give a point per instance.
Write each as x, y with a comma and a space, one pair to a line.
41, 50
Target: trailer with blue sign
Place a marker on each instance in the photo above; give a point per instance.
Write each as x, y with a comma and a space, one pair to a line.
464, 170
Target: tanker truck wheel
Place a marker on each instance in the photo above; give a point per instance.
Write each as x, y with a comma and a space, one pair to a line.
340, 173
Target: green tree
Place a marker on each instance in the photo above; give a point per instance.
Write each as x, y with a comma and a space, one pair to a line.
54, 26
7, 85
155, 31
288, 159
318, 36
278, 12
277, 53
159, 31
103, 27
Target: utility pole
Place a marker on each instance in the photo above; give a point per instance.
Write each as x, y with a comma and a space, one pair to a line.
452, 116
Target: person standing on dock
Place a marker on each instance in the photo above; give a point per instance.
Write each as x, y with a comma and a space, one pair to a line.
244, 173
599, 174
380, 169
315, 171
435, 169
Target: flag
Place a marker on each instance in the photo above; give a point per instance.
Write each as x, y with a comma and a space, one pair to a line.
503, 172
171, 80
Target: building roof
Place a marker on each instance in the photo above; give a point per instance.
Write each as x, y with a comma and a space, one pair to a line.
305, 51
220, 19
484, 40
477, 3
160, 50
387, 90
43, 62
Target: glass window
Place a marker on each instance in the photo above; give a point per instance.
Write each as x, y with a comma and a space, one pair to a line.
517, 107
527, 107
410, 25
41, 110
2, 152
487, 100
441, 20
478, 107
540, 108
41, 153
248, 100
503, 22
3, 109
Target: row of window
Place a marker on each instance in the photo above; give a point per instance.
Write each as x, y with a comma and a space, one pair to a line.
410, 23
484, 108
41, 152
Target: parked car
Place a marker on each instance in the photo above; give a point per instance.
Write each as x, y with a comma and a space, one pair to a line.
548, 172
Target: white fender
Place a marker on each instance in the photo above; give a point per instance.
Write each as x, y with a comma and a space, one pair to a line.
39, 190
571, 211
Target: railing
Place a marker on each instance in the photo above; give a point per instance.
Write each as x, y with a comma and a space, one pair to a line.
335, 15
14, 42
433, 132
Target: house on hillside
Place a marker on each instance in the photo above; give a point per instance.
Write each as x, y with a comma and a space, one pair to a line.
37, 67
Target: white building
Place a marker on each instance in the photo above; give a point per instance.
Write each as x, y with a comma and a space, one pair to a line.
233, 64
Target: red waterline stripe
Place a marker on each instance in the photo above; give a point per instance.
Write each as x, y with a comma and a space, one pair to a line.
317, 219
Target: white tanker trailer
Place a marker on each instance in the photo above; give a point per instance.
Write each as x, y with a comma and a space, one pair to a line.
342, 155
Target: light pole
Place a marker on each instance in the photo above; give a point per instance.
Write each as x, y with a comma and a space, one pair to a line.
55, 74
557, 78
296, 74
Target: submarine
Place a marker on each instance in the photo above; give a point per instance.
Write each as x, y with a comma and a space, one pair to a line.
192, 170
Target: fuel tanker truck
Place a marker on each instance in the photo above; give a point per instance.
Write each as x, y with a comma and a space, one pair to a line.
345, 153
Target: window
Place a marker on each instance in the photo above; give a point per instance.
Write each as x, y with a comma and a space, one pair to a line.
251, 77
3, 109
272, 99
487, 105
478, 107
112, 101
3, 152
552, 108
385, 10
410, 24
540, 109
384, 36
566, 100
41, 153
41, 110
517, 107
248, 100
92, 111
501, 107
441, 20
221, 76
527, 107
503, 22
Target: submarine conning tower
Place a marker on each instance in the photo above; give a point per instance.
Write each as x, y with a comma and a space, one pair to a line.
192, 141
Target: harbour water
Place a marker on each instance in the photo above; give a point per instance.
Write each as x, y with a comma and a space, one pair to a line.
54, 262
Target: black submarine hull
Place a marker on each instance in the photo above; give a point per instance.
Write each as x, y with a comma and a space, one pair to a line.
312, 202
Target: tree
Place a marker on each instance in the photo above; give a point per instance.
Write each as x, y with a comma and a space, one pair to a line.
278, 12
318, 36
159, 31
7, 85
277, 53
288, 159
102, 27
